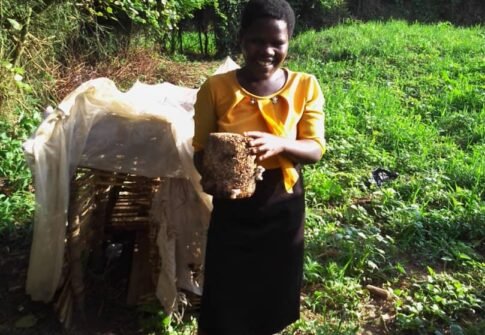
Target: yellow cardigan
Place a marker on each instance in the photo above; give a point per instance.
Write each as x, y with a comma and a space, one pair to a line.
295, 111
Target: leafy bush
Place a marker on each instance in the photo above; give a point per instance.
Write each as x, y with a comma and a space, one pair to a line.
317, 14
15, 210
16, 198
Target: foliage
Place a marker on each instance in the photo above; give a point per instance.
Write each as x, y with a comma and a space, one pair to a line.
33, 35
16, 198
438, 298
226, 27
161, 18
152, 319
15, 210
12, 161
459, 11
322, 13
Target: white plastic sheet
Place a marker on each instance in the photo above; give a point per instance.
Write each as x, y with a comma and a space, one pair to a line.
146, 131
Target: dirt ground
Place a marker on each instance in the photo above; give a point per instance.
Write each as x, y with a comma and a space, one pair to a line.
19, 315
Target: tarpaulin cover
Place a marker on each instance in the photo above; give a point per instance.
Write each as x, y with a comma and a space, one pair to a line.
145, 131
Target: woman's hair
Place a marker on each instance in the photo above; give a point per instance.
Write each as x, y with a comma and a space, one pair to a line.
275, 9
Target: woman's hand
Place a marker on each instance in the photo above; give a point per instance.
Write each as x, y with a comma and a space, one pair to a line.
266, 145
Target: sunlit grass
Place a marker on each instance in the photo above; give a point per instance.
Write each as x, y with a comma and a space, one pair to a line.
409, 98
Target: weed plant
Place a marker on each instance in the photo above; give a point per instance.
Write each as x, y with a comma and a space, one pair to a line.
16, 197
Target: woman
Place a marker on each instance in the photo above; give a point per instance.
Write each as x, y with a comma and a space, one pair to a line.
254, 257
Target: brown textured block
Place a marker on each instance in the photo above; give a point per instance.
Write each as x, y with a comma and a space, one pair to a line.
230, 170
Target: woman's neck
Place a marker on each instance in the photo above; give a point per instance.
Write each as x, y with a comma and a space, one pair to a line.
262, 86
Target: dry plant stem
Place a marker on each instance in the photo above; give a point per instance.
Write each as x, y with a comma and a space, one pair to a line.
21, 43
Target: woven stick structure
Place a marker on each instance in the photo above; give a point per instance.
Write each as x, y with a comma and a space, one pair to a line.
103, 202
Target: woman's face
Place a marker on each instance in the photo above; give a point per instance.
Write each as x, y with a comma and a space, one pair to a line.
264, 46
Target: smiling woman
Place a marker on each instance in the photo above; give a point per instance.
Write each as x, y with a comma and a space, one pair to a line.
254, 255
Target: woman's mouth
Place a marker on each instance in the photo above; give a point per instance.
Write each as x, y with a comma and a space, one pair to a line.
265, 63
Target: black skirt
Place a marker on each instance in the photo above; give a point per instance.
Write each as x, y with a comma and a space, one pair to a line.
254, 261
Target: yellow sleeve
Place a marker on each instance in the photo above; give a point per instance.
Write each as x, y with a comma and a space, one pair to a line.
205, 120
312, 123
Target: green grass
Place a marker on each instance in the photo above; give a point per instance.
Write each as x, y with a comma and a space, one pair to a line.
409, 98
191, 44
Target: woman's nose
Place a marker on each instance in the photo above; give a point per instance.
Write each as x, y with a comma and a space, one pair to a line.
268, 50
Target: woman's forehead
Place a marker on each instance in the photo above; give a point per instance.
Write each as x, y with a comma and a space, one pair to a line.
266, 26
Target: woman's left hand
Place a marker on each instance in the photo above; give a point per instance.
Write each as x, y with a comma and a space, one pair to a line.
266, 145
